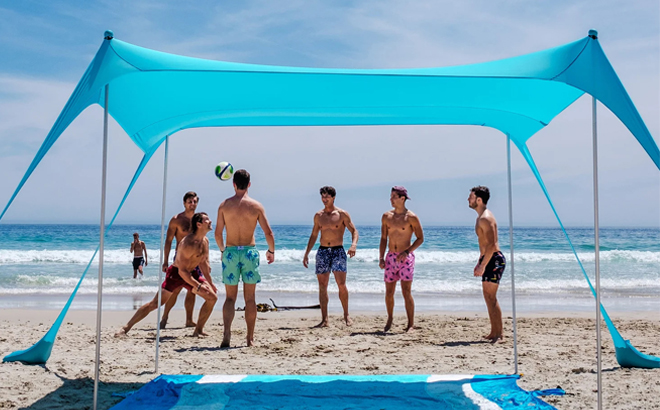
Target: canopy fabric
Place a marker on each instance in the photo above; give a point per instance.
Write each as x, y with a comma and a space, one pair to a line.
154, 94
486, 392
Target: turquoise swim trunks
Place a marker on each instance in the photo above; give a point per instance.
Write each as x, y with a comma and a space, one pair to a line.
240, 262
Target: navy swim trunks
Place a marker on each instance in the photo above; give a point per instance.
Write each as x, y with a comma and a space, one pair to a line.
137, 262
494, 269
330, 259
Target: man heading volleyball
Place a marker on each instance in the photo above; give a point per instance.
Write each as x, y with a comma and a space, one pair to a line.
240, 259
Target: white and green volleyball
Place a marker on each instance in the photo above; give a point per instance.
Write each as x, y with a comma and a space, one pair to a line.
224, 171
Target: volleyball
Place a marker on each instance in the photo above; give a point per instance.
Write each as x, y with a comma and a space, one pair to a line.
224, 171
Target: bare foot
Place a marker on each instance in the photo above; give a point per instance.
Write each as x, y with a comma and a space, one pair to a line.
224, 344
121, 332
388, 325
250, 343
410, 329
200, 334
324, 323
497, 339
163, 324
348, 320
190, 324
488, 336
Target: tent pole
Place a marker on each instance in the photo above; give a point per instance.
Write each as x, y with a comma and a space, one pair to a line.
102, 229
597, 252
162, 250
513, 282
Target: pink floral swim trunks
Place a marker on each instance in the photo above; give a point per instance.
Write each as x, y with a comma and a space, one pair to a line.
395, 270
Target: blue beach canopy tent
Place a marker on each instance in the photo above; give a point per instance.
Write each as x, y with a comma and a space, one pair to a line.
152, 95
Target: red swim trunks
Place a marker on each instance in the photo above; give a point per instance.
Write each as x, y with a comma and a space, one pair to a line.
174, 281
395, 271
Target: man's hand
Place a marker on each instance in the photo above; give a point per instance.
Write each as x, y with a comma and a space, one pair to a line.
205, 286
270, 257
165, 266
402, 256
351, 251
381, 263
479, 270
306, 261
146, 262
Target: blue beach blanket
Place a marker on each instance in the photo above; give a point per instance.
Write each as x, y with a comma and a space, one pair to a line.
226, 392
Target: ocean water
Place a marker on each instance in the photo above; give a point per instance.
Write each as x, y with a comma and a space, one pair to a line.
40, 265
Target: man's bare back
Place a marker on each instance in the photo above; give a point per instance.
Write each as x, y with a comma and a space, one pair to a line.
486, 230
240, 214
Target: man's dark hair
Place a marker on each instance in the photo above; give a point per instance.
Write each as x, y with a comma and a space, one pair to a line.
328, 190
241, 179
482, 192
189, 194
198, 217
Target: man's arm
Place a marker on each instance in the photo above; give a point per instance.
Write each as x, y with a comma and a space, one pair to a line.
183, 259
487, 228
219, 227
132, 246
383, 242
205, 267
144, 248
354, 233
268, 232
419, 234
312, 239
171, 231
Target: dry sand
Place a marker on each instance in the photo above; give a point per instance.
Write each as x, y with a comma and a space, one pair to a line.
553, 351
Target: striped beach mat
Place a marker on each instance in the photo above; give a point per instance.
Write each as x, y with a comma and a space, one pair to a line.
220, 392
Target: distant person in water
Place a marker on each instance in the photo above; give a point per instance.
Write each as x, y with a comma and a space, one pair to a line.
139, 251
178, 228
491, 261
332, 222
190, 270
240, 258
397, 228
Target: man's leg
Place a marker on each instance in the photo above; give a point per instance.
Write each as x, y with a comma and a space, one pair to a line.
390, 288
134, 273
168, 306
250, 310
143, 311
228, 311
494, 311
323, 279
340, 278
210, 298
189, 305
406, 290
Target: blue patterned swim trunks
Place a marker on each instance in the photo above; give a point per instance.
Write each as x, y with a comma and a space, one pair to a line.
330, 259
240, 262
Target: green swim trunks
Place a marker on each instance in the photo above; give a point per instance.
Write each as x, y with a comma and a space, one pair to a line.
240, 262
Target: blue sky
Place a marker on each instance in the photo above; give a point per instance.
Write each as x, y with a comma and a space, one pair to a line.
46, 47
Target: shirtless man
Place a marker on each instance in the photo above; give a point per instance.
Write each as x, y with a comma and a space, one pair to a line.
398, 226
190, 270
491, 261
240, 258
137, 248
178, 228
331, 256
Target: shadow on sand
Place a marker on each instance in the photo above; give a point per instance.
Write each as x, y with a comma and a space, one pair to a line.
79, 394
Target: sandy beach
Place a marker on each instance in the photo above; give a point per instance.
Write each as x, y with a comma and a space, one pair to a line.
553, 351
